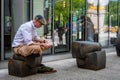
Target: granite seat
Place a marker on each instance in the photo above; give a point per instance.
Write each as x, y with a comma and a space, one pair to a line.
89, 55
117, 46
24, 66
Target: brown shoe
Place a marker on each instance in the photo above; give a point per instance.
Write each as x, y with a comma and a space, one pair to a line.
45, 69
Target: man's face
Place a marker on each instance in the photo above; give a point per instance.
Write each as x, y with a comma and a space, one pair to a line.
38, 24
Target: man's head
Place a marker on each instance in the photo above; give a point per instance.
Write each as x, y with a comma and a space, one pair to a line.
39, 21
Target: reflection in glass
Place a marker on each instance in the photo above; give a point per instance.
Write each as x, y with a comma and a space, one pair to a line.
61, 25
97, 10
7, 28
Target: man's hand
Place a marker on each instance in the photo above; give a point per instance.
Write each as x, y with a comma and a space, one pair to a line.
43, 41
46, 45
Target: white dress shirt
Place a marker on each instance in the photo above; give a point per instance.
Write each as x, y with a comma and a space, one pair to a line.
25, 35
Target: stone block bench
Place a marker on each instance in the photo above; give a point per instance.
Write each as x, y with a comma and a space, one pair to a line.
89, 55
117, 46
23, 66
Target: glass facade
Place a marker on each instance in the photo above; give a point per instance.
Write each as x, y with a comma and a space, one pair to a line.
113, 18
7, 27
78, 9
0, 27
61, 25
100, 18
67, 21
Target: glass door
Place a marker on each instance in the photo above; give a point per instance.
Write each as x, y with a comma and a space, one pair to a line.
113, 19
98, 12
7, 28
78, 10
57, 30
61, 25
48, 28
1, 23
118, 18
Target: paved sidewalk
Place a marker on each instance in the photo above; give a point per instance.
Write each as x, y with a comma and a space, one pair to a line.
68, 70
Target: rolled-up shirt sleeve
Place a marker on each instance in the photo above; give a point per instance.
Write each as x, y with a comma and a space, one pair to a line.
36, 37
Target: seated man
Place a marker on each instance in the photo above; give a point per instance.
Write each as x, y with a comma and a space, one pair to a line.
27, 42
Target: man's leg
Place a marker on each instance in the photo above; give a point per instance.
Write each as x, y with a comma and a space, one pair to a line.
28, 50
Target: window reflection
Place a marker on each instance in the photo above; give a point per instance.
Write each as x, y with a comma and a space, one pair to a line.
7, 28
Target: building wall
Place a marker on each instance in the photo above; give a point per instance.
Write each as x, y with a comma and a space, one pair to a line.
19, 9
38, 8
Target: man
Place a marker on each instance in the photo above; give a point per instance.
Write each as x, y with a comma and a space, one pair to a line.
27, 42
